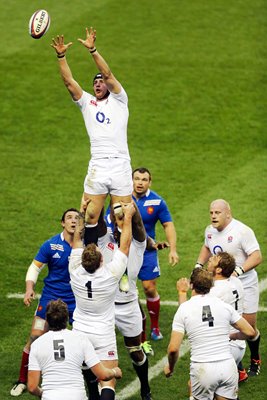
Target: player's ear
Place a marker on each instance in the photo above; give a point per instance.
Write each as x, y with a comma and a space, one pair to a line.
218, 270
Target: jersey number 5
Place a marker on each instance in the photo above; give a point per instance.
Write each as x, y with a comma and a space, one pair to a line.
207, 315
59, 350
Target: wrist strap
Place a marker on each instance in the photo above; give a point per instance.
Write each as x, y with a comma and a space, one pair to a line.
239, 271
198, 265
61, 55
93, 50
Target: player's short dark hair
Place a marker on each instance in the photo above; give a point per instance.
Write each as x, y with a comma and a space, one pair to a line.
91, 258
226, 263
142, 170
57, 315
68, 210
201, 280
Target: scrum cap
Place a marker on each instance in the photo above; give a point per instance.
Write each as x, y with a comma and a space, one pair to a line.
97, 76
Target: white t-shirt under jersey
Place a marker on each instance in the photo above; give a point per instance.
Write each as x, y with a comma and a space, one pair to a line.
106, 123
206, 319
95, 293
59, 356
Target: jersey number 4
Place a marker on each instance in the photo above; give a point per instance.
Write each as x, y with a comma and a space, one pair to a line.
207, 315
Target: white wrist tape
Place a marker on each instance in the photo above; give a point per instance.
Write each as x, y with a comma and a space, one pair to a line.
32, 273
198, 265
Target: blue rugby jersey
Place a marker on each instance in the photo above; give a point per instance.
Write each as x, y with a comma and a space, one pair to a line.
55, 253
153, 208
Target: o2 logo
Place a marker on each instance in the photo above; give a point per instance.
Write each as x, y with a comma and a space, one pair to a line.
100, 117
217, 249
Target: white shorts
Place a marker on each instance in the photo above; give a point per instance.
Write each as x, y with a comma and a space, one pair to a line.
251, 297
64, 394
105, 345
128, 318
220, 377
109, 175
237, 350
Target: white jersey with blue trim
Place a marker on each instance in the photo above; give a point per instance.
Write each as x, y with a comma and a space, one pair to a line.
236, 239
106, 123
95, 293
59, 356
206, 319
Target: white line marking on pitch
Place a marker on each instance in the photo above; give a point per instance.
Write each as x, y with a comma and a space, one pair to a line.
154, 371
262, 287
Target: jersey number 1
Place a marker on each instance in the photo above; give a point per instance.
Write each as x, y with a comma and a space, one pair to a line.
89, 289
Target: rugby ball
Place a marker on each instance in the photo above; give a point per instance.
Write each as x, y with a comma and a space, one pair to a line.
39, 24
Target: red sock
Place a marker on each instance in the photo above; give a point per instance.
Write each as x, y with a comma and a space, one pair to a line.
23, 373
153, 306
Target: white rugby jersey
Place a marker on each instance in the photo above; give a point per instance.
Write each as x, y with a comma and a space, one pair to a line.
59, 356
106, 123
236, 239
95, 293
231, 292
206, 319
107, 247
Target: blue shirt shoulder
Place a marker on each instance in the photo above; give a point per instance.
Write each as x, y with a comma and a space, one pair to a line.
153, 208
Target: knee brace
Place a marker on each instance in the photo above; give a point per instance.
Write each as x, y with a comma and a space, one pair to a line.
134, 357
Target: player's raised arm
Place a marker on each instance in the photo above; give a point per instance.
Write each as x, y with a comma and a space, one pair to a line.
113, 85
65, 72
126, 234
78, 233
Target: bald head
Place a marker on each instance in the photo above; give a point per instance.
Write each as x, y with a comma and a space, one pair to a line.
223, 204
220, 214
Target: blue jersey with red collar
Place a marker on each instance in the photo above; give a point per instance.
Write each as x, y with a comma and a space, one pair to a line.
152, 208
55, 253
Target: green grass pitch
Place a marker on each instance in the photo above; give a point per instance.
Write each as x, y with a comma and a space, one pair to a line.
195, 74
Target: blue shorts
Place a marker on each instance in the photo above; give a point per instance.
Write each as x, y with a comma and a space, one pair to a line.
150, 268
41, 308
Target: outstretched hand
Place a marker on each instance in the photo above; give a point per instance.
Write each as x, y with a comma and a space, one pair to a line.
59, 46
183, 285
89, 42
